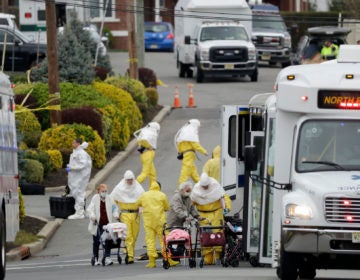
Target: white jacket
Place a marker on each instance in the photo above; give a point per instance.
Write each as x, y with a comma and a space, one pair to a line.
80, 164
93, 211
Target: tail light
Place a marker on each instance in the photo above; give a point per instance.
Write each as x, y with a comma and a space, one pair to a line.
170, 36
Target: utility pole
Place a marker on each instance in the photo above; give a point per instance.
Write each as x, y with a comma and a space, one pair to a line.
140, 32
52, 57
131, 40
5, 6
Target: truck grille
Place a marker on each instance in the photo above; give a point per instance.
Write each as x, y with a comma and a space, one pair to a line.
268, 41
342, 209
228, 54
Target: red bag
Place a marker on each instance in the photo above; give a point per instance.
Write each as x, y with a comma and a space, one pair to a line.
210, 239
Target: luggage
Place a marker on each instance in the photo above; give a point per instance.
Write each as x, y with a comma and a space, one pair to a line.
62, 207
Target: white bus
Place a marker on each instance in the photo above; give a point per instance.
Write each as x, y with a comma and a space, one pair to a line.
9, 177
32, 18
296, 155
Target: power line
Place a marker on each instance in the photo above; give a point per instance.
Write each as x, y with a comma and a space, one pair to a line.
189, 14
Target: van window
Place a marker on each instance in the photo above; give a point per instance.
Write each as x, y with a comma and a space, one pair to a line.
4, 21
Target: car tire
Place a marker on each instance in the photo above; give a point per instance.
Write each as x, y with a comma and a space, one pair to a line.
254, 76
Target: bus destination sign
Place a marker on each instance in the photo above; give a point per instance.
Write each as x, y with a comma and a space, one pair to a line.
339, 99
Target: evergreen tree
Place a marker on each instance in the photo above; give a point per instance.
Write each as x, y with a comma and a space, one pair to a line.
76, 55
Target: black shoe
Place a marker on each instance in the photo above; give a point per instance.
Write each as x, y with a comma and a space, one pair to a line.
130, 262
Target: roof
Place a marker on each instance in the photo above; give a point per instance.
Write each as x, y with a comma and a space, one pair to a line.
328, 30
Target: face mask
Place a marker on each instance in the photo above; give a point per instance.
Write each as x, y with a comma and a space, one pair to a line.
187, 194
103, 194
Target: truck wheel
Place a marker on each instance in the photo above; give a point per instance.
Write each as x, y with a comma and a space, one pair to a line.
199, 75
182, 70
2, 240
254, 76
287, 269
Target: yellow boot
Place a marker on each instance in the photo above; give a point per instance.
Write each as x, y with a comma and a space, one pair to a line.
152, 263
172, 262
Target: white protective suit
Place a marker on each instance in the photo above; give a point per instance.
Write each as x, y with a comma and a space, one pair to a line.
147, 141
78, 178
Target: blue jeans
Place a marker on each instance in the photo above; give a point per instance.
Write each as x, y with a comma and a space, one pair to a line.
96, 244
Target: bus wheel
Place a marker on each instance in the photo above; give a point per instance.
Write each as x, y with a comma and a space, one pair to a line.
2, 240
287, 269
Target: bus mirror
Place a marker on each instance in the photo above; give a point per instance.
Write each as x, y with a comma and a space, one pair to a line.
187, 40
251, 160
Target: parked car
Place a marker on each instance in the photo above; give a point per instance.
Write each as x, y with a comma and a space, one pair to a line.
311, 43
159, 36
8, 20
21, 53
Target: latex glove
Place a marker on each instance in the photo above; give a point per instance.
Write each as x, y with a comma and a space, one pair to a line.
68, 169
226, 211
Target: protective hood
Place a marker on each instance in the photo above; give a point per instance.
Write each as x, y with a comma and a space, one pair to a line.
216, 152
149, 133
189, 132
83, 145
127, 193
213, 193
154, 186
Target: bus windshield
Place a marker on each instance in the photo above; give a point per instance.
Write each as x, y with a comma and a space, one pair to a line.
328, 145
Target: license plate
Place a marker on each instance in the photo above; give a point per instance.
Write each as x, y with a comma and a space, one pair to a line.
356, 237
266, 57
153, 46
229, 66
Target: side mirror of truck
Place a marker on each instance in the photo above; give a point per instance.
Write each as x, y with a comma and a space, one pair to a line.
251, 160
187, 40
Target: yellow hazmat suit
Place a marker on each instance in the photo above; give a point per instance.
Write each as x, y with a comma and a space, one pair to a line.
154, 203
211, 203
147, 141
187, 142
125, 195
212, 166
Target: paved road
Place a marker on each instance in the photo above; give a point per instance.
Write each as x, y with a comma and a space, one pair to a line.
68, 253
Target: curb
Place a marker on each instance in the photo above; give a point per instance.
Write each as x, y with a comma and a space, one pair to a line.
26, 250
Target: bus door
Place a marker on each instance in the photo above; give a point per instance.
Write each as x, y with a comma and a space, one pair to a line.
267, 199
234, 119
252, 200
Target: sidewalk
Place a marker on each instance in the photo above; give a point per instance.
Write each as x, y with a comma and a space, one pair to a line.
38, 205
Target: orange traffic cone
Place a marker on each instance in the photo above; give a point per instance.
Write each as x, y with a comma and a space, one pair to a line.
176, 98
191, 101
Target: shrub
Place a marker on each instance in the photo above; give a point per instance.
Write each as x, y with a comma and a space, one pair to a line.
40, 156
85, 115
132, 86
33, 171
40, 91
148, 77
61, 138
29, 103
153, 96
28, 125
21, 206
123, 101
56, 160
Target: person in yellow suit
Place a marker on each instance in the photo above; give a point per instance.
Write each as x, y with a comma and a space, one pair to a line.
212, 203
329, 50
212, 166
147, 141
154, 204
125, 195
187, 143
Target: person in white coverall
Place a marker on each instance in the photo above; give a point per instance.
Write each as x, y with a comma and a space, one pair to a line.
147, 141
125, 195
187, 143
79, 171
